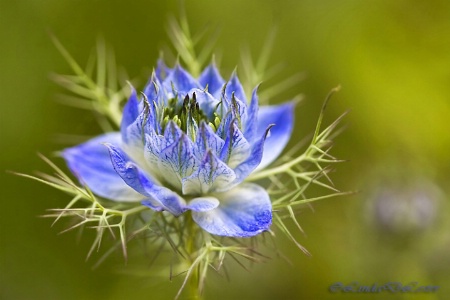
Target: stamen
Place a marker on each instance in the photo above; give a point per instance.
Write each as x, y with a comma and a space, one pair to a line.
187, 115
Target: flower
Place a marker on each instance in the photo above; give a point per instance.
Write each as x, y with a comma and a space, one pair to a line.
189, 145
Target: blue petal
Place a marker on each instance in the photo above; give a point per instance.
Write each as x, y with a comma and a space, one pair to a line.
133, 139
206, 101
239, 110
154, 143
211, 77
244, 211
178, 161
212, 175
207, 140
153, 204
203, 204
251, 124
156, 93
172, 133
236, 148
91, 163
130, 113
283, 118
181, 80
254, 159
152, 89
134, 134
235, 86
225, 124
144, 184
162, 71
236, 111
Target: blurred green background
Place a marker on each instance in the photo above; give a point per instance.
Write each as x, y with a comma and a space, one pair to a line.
392, 59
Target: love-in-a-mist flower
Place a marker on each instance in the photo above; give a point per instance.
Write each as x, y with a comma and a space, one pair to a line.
189, 144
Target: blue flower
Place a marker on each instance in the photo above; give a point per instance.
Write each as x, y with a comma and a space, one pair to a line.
189, 144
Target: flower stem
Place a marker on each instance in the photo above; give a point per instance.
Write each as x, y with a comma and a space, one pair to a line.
194, 285
194, 290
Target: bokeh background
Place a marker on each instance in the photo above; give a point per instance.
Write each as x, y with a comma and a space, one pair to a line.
392, 59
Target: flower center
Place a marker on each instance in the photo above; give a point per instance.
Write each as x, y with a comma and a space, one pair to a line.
187, 115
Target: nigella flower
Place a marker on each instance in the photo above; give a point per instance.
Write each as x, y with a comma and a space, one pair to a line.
188, 145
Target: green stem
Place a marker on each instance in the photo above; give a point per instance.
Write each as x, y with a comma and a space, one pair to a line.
191, 247
193, 285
